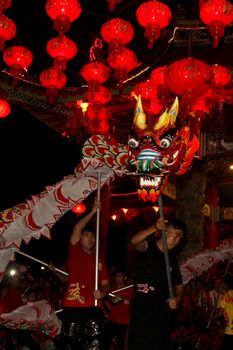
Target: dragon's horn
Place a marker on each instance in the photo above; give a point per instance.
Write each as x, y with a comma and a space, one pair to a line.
139, 115
168, 117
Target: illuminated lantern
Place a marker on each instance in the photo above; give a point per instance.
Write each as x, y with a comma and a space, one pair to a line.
99, 112
148, 92
199, 108
217, 14
103, 127
102, 96
112, 4
53, 80
17, 58
187, 77
95, 73
4, 4
63, 12
157, 76
7, 30
79, 208
221, 76
158, 81
99, 127
122, 64
5, 109
62, 49
117, 32
153, 16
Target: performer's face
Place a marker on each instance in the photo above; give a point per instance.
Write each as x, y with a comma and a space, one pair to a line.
173, 237
88, 240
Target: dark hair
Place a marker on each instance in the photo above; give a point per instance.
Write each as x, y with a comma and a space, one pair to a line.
179, 225
228, 281
117, 270
89, 229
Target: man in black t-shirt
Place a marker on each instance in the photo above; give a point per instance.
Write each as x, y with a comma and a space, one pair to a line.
150, 319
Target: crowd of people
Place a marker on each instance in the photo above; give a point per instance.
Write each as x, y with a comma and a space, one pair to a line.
109, 308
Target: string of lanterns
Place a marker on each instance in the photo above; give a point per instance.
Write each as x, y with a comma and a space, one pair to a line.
186, 78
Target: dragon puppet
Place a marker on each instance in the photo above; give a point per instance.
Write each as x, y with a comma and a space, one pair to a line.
154, 151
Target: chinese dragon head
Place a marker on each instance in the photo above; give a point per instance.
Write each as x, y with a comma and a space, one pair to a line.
155, 151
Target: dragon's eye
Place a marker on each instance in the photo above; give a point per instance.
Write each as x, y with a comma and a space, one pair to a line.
165, 142
133, 143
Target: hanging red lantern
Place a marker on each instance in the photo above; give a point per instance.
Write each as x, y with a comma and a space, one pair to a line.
98, 111
5, 108
217, 14
157, 76
112, 4
7, 30
99, 127
62, 49
63, 12
117, 32
79, 208
198, 110
102, 96
146, 90
17, 58
122, 63
95, 73
53, 80
103, 127
157, 79
221, 76
153, 16
4, 4
148, 93
187, 77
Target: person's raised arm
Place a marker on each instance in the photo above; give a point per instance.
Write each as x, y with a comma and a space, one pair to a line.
81, 224
139, 240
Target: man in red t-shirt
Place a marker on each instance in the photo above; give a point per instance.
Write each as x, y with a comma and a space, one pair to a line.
83, 320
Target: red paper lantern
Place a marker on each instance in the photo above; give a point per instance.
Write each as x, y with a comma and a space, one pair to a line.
146, 90
187, 77
99, 127
7, 30
95, 73
5, 109
99, 112
4, 4
17, 58
102, 96
217, 14
221, 76
117, 32
157, 76
153, 16
79, 208
122, 63
200, 104
157, 79
53, 80
63, 12
62, 49
112, 4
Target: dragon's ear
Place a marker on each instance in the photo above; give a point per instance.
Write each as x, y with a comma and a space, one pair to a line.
139, 116
168, 117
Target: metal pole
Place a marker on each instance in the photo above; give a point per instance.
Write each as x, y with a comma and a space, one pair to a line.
165, 250
37, 260
97, 235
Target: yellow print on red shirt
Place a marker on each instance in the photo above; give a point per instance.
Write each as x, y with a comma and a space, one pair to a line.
74, 292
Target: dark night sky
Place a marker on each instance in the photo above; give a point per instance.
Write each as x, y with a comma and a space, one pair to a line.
33, 156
